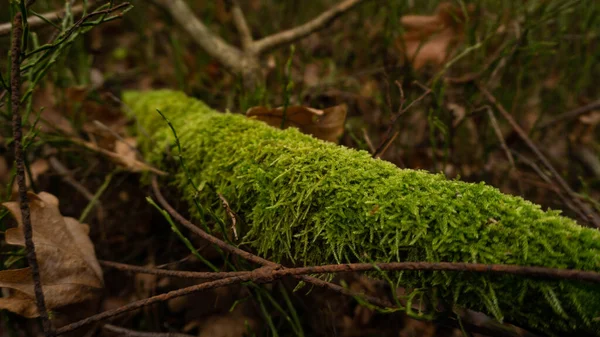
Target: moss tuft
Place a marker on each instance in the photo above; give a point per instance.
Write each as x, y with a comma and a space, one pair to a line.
309, 202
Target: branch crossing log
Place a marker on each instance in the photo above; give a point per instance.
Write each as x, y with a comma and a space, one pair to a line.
302, 201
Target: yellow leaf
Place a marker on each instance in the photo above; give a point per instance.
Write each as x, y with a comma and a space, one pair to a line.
69, 270
325, 124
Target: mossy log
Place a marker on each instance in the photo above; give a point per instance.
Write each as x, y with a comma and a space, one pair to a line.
308, 202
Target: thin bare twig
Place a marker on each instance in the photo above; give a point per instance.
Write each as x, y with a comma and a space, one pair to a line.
216, 47
171, 273
196, 230
368, 140
503, 145
15, 99
590, 215
260, 275
277, 272
570, 114
36, 21
528, 271
239, 20
276, 40
230, 213
132, 333
2, 95
499, 135
588, 158
386, 145
549, 181
67, 177
402, 110
246, 60
64, 36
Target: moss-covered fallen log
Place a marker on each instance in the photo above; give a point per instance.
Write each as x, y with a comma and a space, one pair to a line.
308, 202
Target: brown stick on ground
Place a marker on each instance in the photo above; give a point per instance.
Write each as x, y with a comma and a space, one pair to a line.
15, 98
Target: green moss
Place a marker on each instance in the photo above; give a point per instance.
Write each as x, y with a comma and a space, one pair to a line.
308, 202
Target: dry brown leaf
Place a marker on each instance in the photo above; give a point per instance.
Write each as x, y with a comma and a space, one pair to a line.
430, 38
69, 270
327, 124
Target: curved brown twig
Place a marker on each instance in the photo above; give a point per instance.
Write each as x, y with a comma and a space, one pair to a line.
171, 273
254, 258
288, 36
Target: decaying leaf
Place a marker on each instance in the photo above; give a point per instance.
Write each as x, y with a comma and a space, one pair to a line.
327, 124
430, 38
69, 270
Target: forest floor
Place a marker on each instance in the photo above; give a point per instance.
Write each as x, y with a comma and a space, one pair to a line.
501, 92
